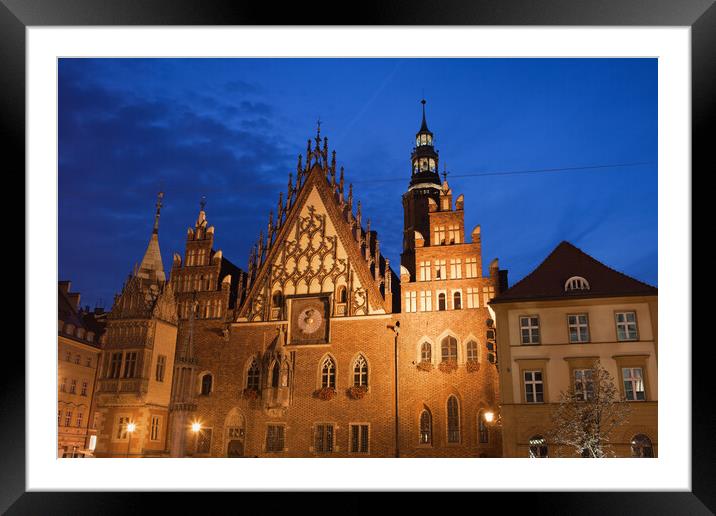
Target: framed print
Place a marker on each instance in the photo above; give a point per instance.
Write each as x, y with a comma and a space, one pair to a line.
297, 227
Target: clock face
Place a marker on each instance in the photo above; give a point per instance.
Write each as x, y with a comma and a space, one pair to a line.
309, 320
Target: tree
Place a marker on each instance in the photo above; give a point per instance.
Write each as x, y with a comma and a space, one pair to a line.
589, 412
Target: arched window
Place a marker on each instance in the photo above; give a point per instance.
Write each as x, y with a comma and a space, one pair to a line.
426, 427
442, 305
538, 447
328, 373
426, 354
360, 372
254, 376
482, 431
277, 299
206, 384
471, 349
342, 297
453, 418
449, 348
576, 283
641, 447
456, 301
275, 374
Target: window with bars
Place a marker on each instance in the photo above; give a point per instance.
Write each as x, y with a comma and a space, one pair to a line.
411, 301
253, 377
626, 326
482, 431
426, 427
454, 234
360, 372
426, 301
161, 366
122, 423
534, 387
440, 269
275, 438
583, 384
324, 438
633, 384
115, 365
426, 352
578, 328
455, 268
472, 351
130, 364
529, 328
359, 438
471, 267
154, 428
425, 271
453, 413
328, 373
449, 348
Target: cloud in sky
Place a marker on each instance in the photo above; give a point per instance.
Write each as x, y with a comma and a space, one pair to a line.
231, 129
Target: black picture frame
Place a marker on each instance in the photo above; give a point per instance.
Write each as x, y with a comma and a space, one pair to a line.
699, 15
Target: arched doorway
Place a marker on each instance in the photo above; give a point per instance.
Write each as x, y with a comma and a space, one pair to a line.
235, 434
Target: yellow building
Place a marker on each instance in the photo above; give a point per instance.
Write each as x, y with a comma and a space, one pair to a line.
78, 351
552, 325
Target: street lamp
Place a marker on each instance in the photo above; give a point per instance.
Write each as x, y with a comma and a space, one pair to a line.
489, 416
131, 427
196, 428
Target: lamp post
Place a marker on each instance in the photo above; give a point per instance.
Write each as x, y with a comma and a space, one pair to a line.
131, 427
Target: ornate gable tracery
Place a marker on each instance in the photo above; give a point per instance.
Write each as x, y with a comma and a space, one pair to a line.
317, 244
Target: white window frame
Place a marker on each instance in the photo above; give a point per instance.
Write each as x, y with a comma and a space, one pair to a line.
425, 270
473, 297
635, 381
455, 268
530, 327
441, 270
583, 380
626, 324
533, 382
581, 328
471, 267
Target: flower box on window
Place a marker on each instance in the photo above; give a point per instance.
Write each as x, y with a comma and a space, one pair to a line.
447, 366
250, 394
472, 366
325, 393
425, 366
357, 391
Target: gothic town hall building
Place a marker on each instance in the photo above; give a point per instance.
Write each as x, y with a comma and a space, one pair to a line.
319, 347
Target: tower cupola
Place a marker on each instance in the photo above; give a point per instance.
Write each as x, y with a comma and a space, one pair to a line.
424, 159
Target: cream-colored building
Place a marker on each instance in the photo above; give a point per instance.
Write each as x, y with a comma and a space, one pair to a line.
552, 325
78, 349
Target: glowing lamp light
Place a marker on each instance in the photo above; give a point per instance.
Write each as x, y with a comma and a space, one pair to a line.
489, 416
195, 427
131, 427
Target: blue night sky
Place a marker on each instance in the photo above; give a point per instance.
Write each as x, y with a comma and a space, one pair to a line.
231, 129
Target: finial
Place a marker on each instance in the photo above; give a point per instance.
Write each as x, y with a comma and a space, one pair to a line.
318, 128
445, 172
160, 196
202, 203
424, 126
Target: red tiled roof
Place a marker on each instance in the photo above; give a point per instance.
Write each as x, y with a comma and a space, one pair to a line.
547, 281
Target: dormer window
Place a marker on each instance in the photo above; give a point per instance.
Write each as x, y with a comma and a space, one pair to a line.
575, 284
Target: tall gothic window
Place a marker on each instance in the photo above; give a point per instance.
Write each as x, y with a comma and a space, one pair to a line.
453, 420
442, 304
426, 354
275, 374
457, 301
426, 427
471, 349
449, 348
206, 384
328, 373
252, 380
360, 372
